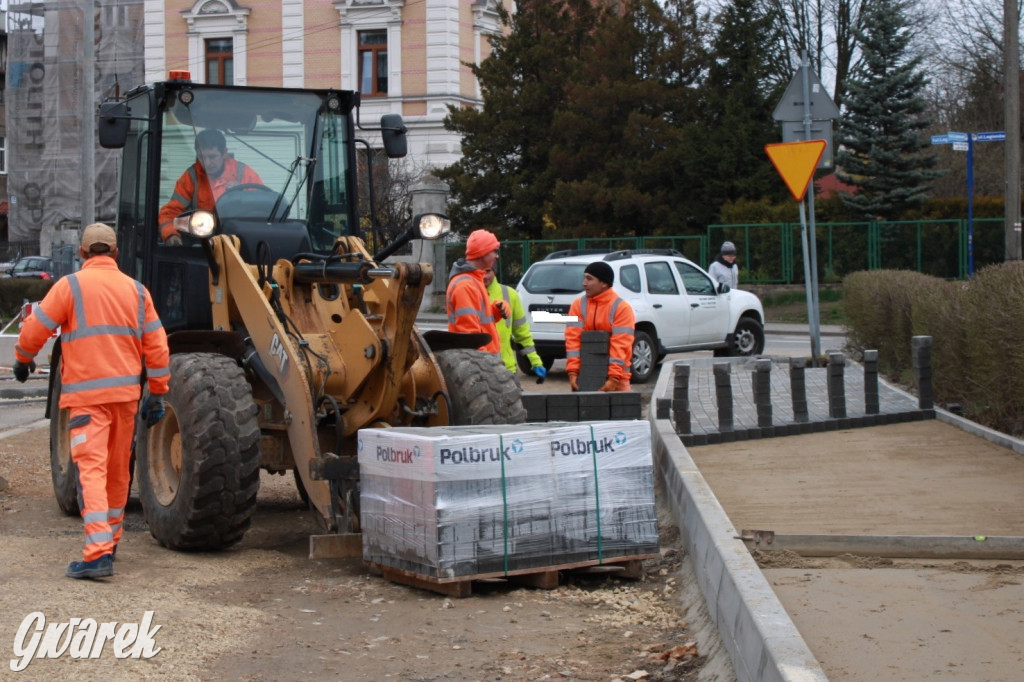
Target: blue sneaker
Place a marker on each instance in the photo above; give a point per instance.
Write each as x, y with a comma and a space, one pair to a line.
97, 568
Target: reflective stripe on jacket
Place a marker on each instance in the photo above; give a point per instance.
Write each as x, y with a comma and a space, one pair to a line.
469, 308
108, 327
517, 327
608, 313
184, 196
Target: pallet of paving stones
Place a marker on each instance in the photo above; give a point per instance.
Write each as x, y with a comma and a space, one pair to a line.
546, 578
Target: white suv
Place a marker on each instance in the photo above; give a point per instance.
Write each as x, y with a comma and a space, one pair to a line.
677, 306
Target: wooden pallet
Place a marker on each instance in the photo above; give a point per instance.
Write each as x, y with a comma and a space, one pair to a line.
545, 578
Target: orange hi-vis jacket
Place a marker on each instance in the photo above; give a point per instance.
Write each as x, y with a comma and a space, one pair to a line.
109, 327
469, 307
605, 312
184, 196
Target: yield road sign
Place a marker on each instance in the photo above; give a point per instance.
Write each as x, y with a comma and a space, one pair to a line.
795, 162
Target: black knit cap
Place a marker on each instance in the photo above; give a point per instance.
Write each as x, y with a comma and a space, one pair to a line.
601, 271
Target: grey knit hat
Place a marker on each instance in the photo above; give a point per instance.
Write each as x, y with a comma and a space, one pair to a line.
728, 247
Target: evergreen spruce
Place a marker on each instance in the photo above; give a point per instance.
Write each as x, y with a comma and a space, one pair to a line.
881, 141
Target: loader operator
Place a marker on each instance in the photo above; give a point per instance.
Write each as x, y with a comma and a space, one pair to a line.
599, 308
214, 172
469, 307
109, 330
515, 326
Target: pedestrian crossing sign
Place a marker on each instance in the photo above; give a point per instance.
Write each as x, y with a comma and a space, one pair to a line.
795, 162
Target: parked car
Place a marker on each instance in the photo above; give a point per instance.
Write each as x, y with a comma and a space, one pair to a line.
678, 306
32, 266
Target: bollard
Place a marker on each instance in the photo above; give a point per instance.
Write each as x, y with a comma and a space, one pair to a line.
871, 404
798, 387
836, 388
723, 395
921, 352
681, 398
762, 385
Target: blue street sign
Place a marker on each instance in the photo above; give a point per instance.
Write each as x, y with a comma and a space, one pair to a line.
956, 137
940, 139
994, 136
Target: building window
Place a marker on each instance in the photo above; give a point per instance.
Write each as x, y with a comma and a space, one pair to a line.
220, 62
373, 63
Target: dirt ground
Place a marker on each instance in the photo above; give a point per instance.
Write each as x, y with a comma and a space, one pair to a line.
264, 611
872, 618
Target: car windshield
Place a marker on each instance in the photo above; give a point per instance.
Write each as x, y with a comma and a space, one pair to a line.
555, 278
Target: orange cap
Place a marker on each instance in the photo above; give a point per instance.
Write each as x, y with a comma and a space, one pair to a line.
481, 243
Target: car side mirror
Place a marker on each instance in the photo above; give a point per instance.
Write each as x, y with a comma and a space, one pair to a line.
392, 132
112, 125
723, 288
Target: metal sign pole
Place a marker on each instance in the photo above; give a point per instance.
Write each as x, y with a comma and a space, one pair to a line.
812, 282
815, 339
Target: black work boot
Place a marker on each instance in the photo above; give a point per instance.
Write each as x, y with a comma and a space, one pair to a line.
97, 568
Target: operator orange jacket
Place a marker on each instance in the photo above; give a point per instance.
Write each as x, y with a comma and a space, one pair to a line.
184, 196
108, 329
605, 312
469, 307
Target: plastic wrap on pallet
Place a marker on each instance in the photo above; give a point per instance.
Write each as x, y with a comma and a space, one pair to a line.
450, 502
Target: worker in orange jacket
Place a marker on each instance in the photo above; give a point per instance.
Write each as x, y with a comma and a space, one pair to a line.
599, 308
214, 172
109, 330
468, 304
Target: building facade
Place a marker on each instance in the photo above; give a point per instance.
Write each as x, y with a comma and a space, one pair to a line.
408, 57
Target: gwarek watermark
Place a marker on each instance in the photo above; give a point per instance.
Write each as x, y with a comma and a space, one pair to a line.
82, 638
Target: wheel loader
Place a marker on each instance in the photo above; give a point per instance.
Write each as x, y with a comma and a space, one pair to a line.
287, 335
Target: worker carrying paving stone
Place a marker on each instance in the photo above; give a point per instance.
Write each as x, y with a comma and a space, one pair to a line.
599, 308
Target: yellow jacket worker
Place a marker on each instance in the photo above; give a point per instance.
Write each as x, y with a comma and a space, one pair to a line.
515, 326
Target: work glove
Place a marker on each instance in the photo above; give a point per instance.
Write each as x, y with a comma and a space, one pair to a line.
22, 370
572, 382
540, 372
173, 240
501, 309
153, 409
610, 385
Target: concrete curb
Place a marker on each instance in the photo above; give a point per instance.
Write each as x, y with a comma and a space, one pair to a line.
763, 643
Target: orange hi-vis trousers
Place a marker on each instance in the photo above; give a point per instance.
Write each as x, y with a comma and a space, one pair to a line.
101, 448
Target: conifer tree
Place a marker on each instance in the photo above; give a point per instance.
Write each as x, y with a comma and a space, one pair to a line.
881, 141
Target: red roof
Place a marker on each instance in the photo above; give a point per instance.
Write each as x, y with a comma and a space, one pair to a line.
830, 185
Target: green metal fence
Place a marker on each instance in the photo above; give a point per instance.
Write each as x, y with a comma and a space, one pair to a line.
772, 253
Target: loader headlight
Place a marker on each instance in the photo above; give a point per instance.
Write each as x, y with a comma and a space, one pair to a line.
200, 224
432, 225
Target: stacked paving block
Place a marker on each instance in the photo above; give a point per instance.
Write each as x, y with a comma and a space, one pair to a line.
583, 406
921, 358
458, 502
723, 392
593, 360
681, 398
798, 387
871, 402
836, 387
761, 381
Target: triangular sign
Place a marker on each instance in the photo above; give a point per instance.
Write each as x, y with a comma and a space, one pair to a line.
796, 162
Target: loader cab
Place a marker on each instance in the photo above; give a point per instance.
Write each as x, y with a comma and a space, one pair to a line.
274, 166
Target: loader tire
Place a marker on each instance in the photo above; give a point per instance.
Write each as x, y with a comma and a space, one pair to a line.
481, 388
62, 469
199, 465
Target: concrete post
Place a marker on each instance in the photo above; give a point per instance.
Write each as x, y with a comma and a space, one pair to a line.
723, 394
681, 398
871, 405
430, 195
798, 387
836, 387
921, 352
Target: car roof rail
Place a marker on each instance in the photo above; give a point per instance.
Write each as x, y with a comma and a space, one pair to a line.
629, 253
566, 253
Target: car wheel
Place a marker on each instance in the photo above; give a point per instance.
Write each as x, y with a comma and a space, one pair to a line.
748, 338
645, 357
